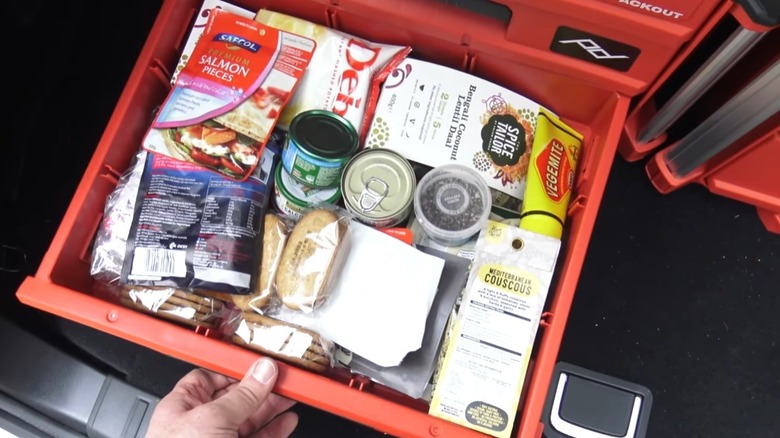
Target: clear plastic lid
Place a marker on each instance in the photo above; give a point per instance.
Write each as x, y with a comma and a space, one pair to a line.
452, 203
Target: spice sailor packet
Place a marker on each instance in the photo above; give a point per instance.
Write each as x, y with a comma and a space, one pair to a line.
227, 99
481, 378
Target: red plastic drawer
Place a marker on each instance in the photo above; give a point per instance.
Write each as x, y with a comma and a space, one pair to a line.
745, 172
751, 177
437, 32
745, 168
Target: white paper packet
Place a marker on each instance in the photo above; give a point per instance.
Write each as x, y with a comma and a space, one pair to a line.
379, 303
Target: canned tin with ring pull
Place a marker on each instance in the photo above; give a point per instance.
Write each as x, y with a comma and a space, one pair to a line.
378, 187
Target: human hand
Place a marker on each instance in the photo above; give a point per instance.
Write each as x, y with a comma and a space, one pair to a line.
207, 404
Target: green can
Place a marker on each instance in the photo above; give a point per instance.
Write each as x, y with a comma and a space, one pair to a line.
378, 187
292, 198
319, 144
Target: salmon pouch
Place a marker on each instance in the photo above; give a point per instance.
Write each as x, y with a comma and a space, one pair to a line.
227, 99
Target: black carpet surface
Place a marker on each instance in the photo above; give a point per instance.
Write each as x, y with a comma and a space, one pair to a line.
679, 293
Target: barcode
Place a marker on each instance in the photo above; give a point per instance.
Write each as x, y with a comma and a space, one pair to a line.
159, 262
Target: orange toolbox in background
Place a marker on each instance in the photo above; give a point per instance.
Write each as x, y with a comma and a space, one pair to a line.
583, 60
714, 113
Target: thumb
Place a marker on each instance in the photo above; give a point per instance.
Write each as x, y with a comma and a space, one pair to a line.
249, 395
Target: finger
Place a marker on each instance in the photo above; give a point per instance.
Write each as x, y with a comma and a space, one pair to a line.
248, 396
274, 405
225, 390
205, 381
280, 427
195, 388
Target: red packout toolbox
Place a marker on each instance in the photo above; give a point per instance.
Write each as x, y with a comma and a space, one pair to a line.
745, 172
589, 83
715, 80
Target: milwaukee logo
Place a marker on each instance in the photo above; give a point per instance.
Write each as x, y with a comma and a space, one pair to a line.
594, 49
652, 8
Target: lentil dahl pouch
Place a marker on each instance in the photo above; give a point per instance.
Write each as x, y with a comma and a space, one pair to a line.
227, 99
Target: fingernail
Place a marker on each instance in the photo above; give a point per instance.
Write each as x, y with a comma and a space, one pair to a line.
264, 371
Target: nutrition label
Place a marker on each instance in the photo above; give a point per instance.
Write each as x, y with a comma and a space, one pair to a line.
489, 355
194, 228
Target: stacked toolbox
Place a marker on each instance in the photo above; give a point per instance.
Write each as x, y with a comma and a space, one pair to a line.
585, 60
715, 110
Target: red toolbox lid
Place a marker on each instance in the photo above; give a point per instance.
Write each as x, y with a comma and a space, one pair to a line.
690, 14
629, 41
731, 50
728, 34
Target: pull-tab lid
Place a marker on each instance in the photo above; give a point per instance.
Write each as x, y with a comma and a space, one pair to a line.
373, 193
378, 183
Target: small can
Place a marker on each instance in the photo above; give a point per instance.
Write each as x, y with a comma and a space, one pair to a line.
378, 187
319, 144
293, 198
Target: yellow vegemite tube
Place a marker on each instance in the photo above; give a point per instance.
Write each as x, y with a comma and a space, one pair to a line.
550, 179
